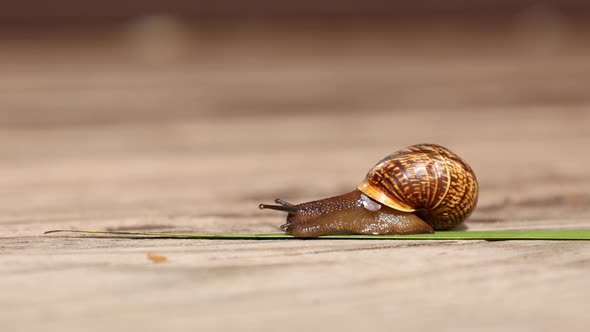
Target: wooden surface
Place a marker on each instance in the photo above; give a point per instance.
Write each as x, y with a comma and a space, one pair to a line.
121, 133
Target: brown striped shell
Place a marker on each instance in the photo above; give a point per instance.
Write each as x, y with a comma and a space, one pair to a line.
427, 179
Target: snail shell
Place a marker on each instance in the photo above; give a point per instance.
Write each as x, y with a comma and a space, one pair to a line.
427, 179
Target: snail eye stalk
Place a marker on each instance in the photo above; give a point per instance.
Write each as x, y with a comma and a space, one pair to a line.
288, 208
283, 203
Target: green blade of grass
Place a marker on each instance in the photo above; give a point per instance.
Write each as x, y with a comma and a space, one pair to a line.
503, 235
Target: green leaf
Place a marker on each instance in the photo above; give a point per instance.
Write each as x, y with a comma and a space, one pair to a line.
503, 235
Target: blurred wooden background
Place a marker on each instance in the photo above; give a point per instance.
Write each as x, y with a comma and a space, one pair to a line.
150, 120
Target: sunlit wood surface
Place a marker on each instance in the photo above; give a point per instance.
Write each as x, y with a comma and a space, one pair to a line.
164, 126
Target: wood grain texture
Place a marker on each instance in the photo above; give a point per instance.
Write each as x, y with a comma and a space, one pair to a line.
104, 138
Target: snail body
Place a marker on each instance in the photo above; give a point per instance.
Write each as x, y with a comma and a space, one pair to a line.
419, 189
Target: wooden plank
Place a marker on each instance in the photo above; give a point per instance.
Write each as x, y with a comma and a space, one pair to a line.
205, 169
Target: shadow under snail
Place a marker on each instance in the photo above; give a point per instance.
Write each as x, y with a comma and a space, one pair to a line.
419, 189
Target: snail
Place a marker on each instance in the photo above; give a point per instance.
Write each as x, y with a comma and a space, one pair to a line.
419, 189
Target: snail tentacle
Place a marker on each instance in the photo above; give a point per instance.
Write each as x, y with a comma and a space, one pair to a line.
290, 209
282, 202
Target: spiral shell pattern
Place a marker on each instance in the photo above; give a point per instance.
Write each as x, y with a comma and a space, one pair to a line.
427, 179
